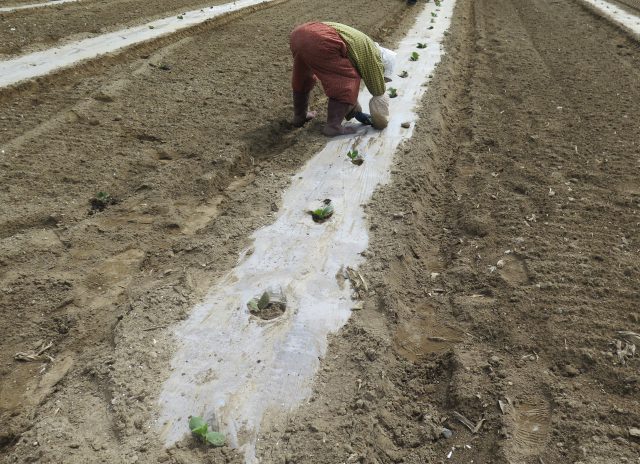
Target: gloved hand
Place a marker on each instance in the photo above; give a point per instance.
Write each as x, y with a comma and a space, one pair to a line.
363, 118
379, 107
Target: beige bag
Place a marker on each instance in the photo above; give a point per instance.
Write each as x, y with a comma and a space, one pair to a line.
379, 107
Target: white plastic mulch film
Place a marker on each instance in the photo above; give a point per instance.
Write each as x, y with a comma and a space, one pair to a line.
236, 370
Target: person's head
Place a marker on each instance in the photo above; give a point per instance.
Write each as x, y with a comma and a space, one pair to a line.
388, 61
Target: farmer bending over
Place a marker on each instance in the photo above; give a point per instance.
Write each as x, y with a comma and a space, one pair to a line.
339, 56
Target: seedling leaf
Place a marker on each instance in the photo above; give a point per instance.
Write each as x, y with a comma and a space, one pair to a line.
103, 197
393, 92
263, 302
355, 157
322, 214
215, 439
422, 45
404, 74
253, 305
414, 56
198, 426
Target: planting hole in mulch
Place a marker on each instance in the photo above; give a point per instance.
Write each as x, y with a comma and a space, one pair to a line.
269, 305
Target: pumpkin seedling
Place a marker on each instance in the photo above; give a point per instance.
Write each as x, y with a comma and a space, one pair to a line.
200, 428
269, 305
435, 15
180, 17
404, 74
323, 213
151, 27
393, 92
422, 45
438, 3
355, 157
100, 201
414, 56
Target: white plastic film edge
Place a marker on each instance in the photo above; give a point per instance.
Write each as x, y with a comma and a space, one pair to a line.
10, 9
617, 15
41, 63
237, 371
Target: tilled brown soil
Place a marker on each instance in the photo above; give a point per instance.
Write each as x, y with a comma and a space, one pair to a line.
28, 30
190, 136
503, 257
504, 260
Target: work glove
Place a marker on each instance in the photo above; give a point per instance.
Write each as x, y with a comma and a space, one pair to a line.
379, 107
363, 118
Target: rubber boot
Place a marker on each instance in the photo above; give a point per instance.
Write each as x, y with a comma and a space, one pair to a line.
336, 111
355, 109
300, 107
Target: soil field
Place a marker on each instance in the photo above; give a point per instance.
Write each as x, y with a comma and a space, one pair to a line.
503, 259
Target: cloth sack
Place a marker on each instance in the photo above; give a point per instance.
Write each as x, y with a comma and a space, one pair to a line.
388, 61
379, 109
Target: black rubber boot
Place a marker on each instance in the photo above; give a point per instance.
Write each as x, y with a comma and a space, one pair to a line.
363, 118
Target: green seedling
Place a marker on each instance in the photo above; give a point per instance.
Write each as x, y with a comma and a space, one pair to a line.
404, 74
422, 45
264, 300
100, 201
269, 305
200, 428
258, 304
151, 27
393, 92
414, 56
435, 15
323, 213
103, 197
180, 17
355, 157
438, 3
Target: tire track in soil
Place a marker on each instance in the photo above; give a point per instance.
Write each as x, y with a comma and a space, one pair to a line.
528, 143
183, 142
